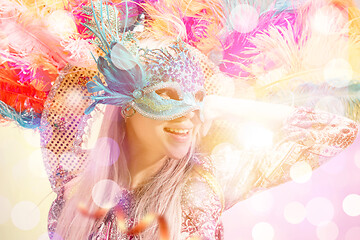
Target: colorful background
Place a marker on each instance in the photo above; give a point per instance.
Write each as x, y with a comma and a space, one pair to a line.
323, 204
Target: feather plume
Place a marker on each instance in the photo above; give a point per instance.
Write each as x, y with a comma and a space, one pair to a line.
30, 59
195, 22
17, 95
343, 101
122, 72
302, 62
30, 37
19, 102
236, 44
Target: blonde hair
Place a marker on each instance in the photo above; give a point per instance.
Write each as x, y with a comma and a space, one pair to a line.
161, 194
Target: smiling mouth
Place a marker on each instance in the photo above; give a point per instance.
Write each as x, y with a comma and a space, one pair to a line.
177, 131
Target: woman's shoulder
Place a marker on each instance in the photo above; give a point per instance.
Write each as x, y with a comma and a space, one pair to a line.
201, 201
202, 182
204, 162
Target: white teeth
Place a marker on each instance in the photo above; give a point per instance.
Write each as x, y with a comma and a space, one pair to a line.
174, 130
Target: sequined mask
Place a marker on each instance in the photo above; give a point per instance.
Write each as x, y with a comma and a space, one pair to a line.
172, 70
138, 81
132, 76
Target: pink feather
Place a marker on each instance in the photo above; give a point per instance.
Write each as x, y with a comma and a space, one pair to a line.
28, 38
235, 43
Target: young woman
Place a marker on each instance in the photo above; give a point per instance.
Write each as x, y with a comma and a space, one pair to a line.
143, 139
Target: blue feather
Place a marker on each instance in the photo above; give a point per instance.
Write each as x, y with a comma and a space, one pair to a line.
25, 119
121, 70
93, 87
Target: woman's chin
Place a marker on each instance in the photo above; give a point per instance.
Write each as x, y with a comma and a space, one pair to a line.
178, 150
178, 153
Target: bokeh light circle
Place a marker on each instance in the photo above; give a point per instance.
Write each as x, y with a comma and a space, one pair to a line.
294, 212
353, 234
5, 210
216, 56
61, 23
73, 99
338, 73
327, 231
25, 215
319, 211
328, 20
263, 231
122, 58
244, 18
106, 193
44, 236
254, 136
36, 165
110, 151
300, 172
351, 205
262, 202
69, 161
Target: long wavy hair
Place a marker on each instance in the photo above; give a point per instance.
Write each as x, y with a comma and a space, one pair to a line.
161, 194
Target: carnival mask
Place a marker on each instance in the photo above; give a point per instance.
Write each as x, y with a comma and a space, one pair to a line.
137, 79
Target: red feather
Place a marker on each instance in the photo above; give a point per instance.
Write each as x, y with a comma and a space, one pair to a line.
30, 58
19, 96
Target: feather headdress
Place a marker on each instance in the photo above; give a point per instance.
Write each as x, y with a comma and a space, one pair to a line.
31, 56
30, 59
279, 47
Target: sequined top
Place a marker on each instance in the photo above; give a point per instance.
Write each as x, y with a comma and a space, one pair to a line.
218, 182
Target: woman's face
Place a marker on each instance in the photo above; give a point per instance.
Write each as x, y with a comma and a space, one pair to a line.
171, 138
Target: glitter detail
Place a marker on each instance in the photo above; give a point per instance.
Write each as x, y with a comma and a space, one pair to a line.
83, 80
61, 124
164, 117
175, 64
54, 213
137, 94
62, 175
153, 104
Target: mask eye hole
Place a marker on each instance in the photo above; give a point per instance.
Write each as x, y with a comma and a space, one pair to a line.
168, 93
199, 95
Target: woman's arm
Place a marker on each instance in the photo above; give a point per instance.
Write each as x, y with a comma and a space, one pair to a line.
268, 114
300, 135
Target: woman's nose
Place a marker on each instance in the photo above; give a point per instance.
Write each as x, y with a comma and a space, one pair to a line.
195, 116
188, 115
